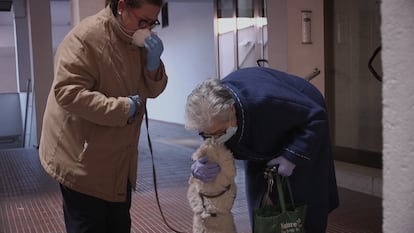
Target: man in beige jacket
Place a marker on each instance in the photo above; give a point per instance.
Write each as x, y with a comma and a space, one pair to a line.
92, 121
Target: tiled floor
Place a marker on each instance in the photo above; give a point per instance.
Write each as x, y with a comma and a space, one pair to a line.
30, 201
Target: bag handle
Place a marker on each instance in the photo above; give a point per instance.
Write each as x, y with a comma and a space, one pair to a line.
266, 199
280, 193
290, 191
271, 174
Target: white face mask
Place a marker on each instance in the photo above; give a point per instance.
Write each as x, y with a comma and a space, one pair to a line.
225, 137
138, 38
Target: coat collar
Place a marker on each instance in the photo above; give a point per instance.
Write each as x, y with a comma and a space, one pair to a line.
240, 114
113, 21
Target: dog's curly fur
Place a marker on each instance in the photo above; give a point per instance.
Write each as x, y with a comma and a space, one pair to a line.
212, 202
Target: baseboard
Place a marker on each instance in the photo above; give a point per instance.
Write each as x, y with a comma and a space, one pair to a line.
359, 178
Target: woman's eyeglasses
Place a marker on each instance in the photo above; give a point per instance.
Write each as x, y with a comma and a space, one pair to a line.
143, 23
212, 135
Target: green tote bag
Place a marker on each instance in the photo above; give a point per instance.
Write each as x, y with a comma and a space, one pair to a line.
282, 218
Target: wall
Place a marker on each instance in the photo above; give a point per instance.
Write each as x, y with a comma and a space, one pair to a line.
60, 14
7, 53
60, 20
277, 31
398, 111
286, 51
304, 58
189, 56
81, 10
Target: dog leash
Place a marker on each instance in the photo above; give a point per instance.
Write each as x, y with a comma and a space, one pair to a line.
154, 175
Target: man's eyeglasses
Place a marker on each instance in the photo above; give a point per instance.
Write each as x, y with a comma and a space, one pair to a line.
143, 23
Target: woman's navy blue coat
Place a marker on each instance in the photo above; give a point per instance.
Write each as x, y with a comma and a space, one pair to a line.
283, 115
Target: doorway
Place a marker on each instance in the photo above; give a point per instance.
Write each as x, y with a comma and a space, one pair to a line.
354, 89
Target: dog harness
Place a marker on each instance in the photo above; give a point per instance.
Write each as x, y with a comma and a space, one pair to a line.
203, 195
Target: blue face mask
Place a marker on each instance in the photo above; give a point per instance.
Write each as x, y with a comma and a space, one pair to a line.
225, 137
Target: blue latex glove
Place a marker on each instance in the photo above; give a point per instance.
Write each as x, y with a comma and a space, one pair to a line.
285, 166
135, 105
132, 108
205, 171
154, 47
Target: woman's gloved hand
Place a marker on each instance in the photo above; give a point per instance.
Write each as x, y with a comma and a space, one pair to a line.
204, 170
154, 47
135, 105
285, 166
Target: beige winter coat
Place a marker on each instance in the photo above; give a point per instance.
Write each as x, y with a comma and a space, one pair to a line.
86, 143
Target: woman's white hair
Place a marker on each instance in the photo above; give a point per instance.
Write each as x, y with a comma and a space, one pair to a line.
209, 101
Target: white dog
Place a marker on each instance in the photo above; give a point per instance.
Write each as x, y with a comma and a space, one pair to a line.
212, 202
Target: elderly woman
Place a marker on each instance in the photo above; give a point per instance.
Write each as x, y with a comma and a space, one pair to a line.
267, 118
